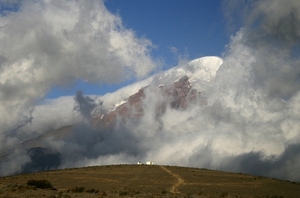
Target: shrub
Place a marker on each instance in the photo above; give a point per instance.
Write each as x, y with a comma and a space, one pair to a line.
123, 193
104, 193
163, 191
92, 191
200, 193
43, 184
224, 194
78, 189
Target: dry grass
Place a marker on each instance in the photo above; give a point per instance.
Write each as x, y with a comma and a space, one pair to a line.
202, 181
147, 181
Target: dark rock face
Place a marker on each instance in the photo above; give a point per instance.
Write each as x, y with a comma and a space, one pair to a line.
132, 107
178, 96
181, 94
42, 159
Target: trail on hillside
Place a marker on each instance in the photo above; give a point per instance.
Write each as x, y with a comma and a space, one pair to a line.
180, 181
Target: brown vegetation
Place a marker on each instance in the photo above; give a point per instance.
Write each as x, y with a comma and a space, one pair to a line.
146, 181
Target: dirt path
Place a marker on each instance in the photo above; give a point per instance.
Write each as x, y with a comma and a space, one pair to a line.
179, 182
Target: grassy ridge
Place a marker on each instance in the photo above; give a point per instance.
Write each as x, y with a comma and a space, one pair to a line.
145, 181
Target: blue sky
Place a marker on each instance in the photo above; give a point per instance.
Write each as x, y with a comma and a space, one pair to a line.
194, 27
180, 28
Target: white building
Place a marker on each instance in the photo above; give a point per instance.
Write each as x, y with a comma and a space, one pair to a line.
149, 163
139, 163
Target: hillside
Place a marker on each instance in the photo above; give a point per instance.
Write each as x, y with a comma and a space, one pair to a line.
147, 181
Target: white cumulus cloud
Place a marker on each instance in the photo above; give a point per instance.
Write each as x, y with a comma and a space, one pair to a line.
54, 43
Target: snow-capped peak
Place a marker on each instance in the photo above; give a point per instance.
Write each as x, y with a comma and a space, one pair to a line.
205, 68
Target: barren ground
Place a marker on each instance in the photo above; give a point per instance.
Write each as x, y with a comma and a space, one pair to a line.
148, 181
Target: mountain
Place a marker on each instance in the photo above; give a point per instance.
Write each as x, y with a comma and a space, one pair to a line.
176, 89
177, 96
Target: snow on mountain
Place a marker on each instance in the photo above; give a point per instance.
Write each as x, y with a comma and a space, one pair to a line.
60, 111
205, 68
200, 72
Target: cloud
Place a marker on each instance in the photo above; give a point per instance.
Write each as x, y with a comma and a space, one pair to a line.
47, 44
14, 163
85, 105
250, 120
271, 31
173, 49
282, 166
